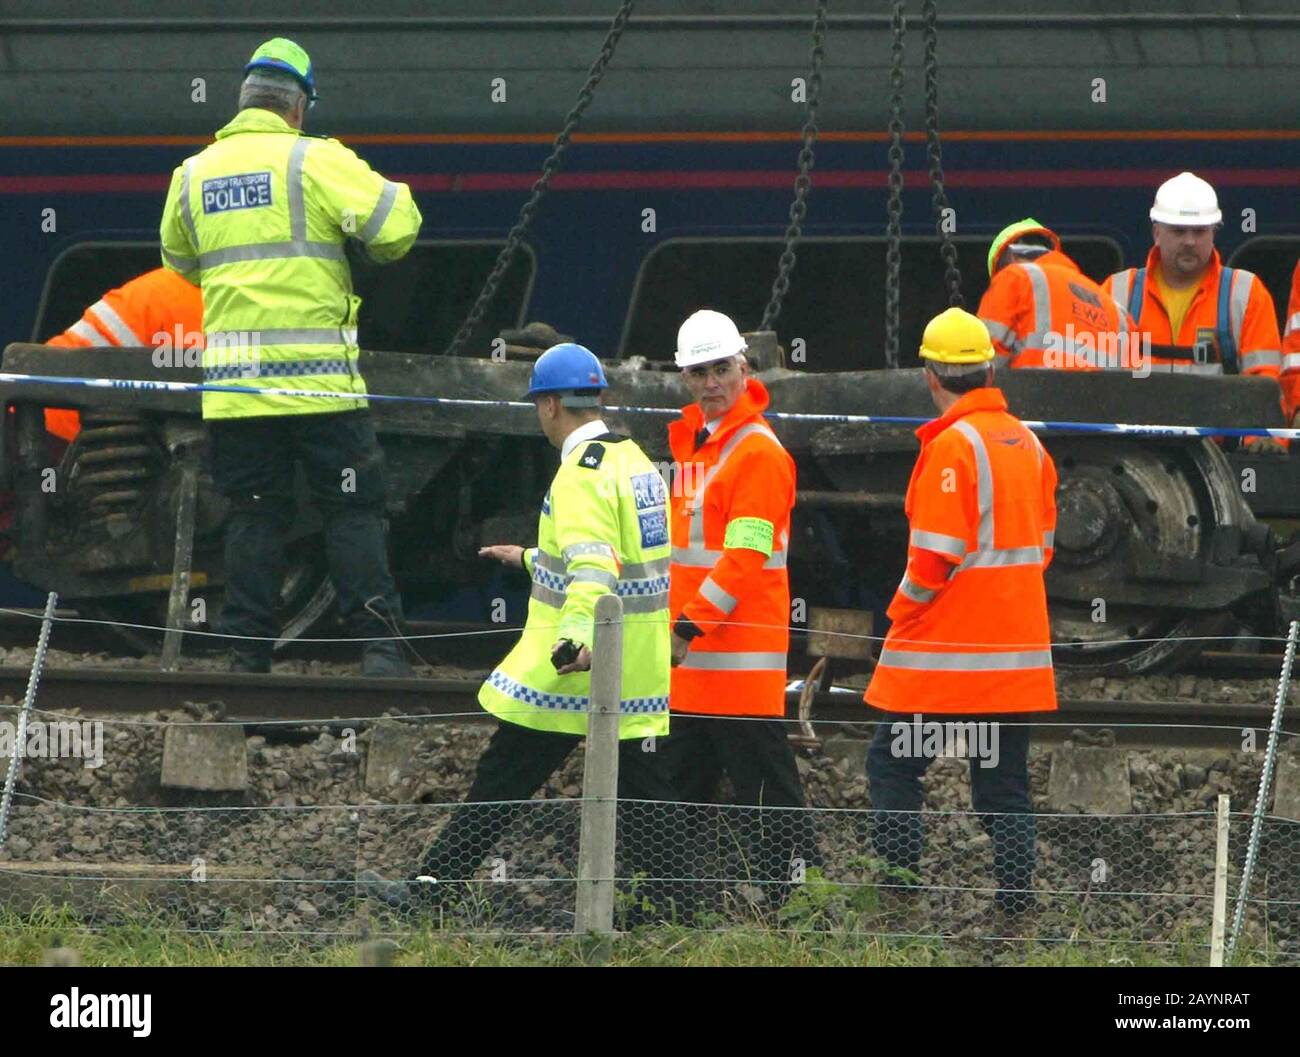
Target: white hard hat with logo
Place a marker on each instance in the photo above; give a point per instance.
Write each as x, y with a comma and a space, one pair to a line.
1186, 200
707, 336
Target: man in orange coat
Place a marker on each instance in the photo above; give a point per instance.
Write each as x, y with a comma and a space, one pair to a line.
969, 647
1200, 317
729, 598
1042, 311
1290, 377
155, 309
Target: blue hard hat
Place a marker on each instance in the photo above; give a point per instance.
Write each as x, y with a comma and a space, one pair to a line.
564, 368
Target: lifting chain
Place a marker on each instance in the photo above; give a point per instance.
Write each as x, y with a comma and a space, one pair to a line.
549, 168
802, 182
894, 205
939, 196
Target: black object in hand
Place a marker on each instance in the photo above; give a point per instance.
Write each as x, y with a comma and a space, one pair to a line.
565, 653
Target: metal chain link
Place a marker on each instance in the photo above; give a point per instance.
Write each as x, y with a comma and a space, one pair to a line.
802, 182
549, 168
894, 205
934, 151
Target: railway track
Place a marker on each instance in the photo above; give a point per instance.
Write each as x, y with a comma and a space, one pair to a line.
259, 699
323, 698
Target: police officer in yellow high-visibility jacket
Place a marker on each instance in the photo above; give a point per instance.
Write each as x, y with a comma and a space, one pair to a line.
603, 528
259, 220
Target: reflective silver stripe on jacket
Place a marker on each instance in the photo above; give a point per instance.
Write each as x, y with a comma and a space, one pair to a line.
184, 265
644, 570
1001, 333
657, 603
547, 595
1293, 323
271, 251
1042, 301
1122, 287
88, 333
297, 206
1049, 539
1261, 358
1238, 299
937, 541
226, 339
1185, 368
918, 660
911, 589
983, 482
734, 662
704, 558
710, 590
380, 213
594, 576
115, 324
1291, 362
603, 549
1004, 556
187, 213
548, 561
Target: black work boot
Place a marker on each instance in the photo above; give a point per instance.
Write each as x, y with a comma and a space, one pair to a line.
256, 661
383, 660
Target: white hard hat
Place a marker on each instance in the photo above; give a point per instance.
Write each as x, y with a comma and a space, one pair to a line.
707, 336
1186, 200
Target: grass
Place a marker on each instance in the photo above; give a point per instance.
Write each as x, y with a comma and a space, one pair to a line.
157, 940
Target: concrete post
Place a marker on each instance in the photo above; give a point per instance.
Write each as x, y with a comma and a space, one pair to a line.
595, 909
1220, 883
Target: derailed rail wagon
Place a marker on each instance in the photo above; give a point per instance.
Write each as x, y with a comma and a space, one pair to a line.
1157, 545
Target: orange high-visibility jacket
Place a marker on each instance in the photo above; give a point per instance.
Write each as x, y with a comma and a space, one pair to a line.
1230, 326
1047, 313
970, 631
1290, 377
152, 303
731, 503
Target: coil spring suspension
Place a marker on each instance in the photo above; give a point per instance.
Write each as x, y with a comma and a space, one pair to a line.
114, 462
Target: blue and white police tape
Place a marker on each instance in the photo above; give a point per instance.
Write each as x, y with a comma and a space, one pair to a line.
149, 385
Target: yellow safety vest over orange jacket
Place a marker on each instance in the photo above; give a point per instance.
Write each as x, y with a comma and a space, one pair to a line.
731, 501
970, 630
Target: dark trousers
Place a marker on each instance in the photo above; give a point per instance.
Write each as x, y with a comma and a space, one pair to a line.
253, 466
517, 763
999, 794
756, 755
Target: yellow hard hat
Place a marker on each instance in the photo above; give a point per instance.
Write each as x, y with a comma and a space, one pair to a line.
1018, 230
956, 336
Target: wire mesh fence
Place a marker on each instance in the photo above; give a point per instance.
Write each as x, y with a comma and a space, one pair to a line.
322, 872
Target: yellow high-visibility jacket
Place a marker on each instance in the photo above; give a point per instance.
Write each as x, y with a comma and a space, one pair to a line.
258, 220
603, 527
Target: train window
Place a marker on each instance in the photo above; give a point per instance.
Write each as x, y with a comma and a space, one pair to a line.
418, 303
836, 297
80, 275
414, 305
1273, 258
